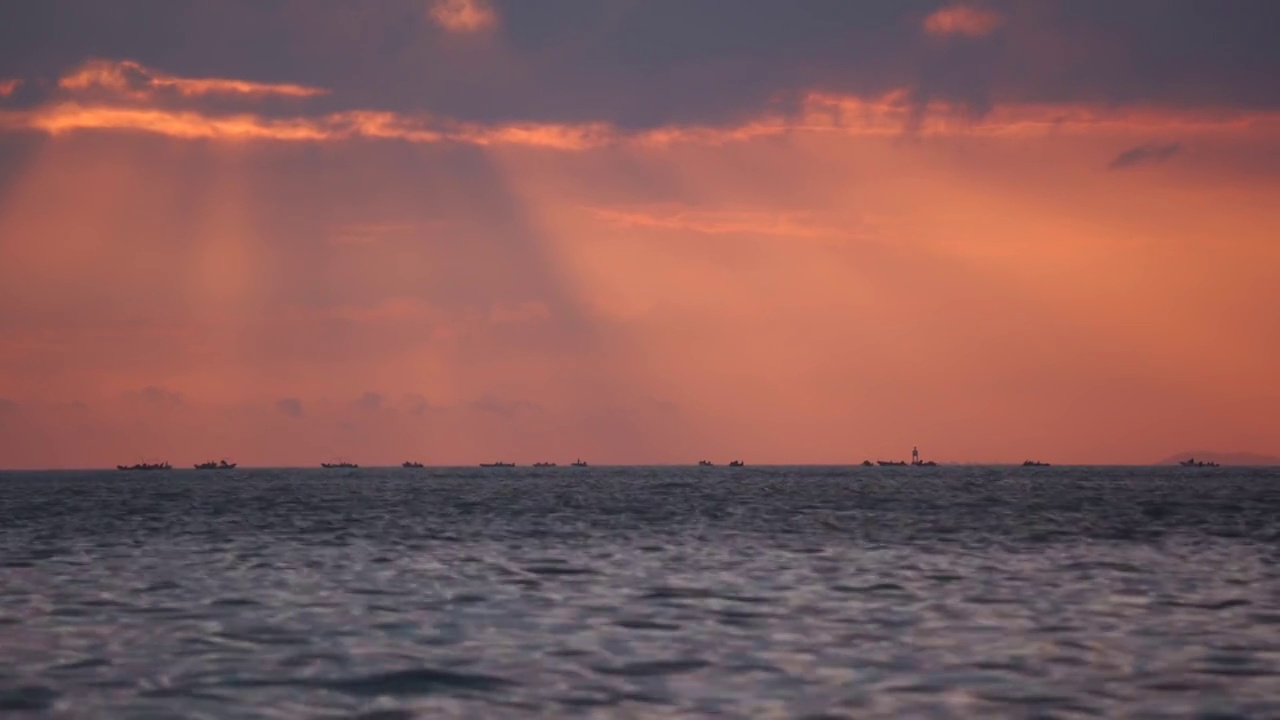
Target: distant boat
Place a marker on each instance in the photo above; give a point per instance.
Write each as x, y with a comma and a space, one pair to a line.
544, 464
219, 465
892, 463
410, 464
341, 464
579, 463
146, 466
497, 464
705, 463
736, 463
915, 459
867, 463
1192, 462
1034, 463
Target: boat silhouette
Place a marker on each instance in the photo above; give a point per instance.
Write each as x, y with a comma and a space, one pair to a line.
917, 462
410, 464
544, 464
163, 465
1034, 463
497, 464
736, 463
219, 465
579, 463
338, 465
867, 463
705, 463
891, 463
1192, 462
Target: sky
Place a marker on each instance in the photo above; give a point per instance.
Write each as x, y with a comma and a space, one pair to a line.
454, 231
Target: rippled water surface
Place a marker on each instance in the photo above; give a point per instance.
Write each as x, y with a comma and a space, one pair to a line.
659, 592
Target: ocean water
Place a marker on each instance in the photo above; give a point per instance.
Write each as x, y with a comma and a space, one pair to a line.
977, 592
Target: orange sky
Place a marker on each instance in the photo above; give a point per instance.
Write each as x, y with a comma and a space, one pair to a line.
280, 284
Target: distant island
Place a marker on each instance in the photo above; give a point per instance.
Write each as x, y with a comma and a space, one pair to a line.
1227, 458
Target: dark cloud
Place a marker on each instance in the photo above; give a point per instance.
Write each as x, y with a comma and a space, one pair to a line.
158, 396
418, 405
369, 402
290, 406
503, 406
1144, 155
666, 61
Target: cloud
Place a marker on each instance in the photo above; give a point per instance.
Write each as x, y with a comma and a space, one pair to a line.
289, 406
962, 20
158, 396
501, 406
70, 116
130, 105
895, 112
134, 80
655, 64
463, 16
417, 405
716, 222
9, 87
1150, 153
891, 114
369, 402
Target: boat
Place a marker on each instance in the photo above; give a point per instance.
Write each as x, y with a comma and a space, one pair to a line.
1192, 462
410, 464
867, 463
341, 464
497, 464
219, 465
544, 464
1034, 463
705, 463
736, 463
164, 465
891, 463
579, 463
917, 462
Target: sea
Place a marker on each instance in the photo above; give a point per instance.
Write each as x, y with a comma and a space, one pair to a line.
641, 592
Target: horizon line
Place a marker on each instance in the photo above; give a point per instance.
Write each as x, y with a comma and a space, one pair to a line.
694, 464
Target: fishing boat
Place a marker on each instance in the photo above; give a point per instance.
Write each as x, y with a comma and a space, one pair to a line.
1192, 462
705, 463
736, 463
917, 462
544, 464
579, 463
497, 464
163, 465
1034, 463
410, 464
219, 465
341, 464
